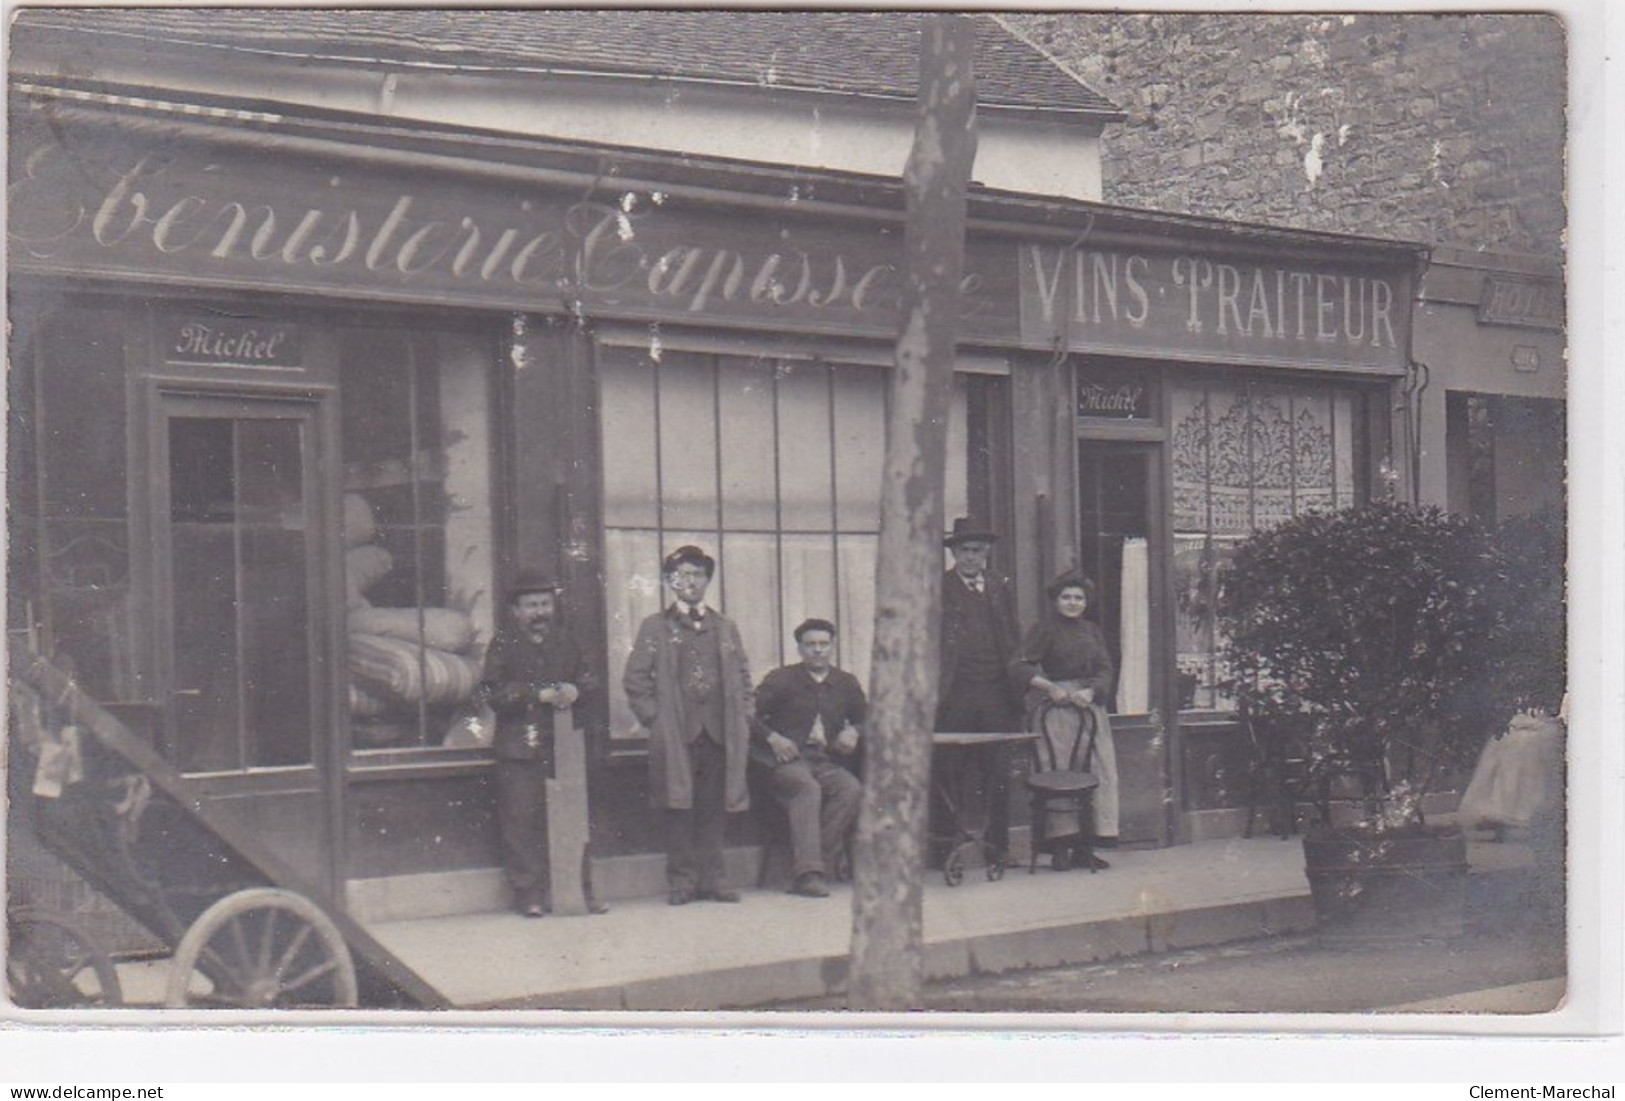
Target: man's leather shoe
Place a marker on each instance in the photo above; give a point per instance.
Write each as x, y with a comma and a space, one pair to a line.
533, 909
719, 895
1097, 865
810, 885
680, 898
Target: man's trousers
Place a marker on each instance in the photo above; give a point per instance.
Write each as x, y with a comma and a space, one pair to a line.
694, 836
821, 799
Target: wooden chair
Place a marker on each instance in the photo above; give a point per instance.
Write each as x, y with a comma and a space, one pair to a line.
1290, 769
1282, 771
1368, 772
1061, 781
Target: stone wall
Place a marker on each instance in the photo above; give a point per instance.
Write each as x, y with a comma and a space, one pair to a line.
1444, 129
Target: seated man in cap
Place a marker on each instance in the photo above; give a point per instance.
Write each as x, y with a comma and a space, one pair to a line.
808, 715
533, 667
688, 683
979, 639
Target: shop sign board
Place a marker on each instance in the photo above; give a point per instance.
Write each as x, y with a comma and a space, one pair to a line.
214, 341
1204, 305
1116, 393
1530, 303
101, 200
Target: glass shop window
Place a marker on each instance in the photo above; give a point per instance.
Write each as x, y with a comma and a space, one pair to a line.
774, 467
417, 531
68, 553
1245, 456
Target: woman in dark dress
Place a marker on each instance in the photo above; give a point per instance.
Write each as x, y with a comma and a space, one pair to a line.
1064, 660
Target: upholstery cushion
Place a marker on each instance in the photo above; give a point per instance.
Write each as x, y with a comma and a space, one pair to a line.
390, 667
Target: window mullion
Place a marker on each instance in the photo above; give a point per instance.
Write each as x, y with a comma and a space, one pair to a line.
244, 761
834, 506
660, 467
415, 481
716, 464
778, 520
1292, 453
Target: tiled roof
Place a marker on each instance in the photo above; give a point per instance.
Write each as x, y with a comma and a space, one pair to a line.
841, 52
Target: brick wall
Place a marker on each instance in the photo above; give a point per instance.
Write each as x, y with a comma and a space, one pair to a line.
1446, 129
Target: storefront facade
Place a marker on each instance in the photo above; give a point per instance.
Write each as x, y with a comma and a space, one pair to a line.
291, 402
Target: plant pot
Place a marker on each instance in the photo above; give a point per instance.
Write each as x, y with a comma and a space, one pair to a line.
1375, 886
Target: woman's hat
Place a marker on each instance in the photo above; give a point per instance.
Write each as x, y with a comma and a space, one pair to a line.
689, 554
1071, 579
532, 581
967, 530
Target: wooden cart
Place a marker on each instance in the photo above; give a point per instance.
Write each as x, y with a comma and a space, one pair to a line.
244, 929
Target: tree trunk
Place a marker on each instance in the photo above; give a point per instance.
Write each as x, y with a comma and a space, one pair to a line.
887, 918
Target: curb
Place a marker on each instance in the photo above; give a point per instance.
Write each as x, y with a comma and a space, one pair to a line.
784, 981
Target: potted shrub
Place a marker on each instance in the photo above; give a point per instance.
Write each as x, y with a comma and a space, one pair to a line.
1373, 629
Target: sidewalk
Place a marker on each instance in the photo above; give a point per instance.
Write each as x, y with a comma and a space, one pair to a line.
774, 947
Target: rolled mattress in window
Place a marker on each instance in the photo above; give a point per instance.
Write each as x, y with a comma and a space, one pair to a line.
404, 671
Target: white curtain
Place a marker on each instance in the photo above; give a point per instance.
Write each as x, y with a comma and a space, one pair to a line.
632, 591
1134, 678
772, 466
857, 611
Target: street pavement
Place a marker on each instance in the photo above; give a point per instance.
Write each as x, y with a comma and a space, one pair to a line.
1283, 975
1510, 960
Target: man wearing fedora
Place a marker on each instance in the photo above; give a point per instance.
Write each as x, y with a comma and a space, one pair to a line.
979, 637
533, 668
688, 683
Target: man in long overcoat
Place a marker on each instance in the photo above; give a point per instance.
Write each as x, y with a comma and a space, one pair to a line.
688, 682
979, 638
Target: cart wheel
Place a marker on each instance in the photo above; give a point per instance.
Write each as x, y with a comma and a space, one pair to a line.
262, 948
953, 869
54, 964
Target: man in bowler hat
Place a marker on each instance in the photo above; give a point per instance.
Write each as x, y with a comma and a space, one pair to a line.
979, 638
689, 684
533, 668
